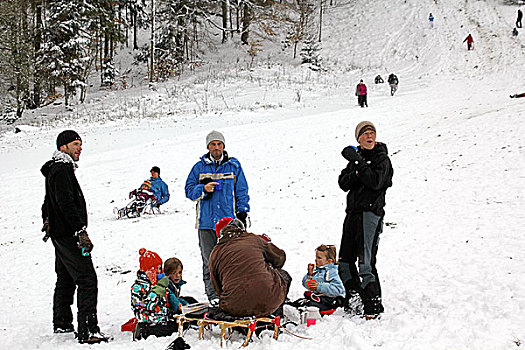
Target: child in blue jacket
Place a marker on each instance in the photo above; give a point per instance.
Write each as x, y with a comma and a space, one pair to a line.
173, 270
325, 288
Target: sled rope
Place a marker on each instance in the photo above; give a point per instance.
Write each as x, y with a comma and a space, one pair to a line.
296, 335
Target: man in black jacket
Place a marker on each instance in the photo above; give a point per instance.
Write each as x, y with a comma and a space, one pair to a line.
366, 178
65, 220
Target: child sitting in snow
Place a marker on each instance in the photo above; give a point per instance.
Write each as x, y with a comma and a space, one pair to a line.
148, 298
325, 288
138, 205
144, 192
173, 270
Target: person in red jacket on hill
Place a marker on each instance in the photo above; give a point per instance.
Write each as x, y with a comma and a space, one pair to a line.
469, 41
360, 92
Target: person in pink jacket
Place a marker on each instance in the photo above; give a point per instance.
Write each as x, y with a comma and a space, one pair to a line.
360, 92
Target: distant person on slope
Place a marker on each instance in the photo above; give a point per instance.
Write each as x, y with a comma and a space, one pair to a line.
366, 178
393, 81
379, 79
515, 32
431, 20
158, 187
518, 95
518, 20
360, 92
469, 41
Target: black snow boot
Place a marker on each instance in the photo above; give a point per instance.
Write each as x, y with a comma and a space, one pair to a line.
88, 331
63, 327
353, 302
178, 344
372, 301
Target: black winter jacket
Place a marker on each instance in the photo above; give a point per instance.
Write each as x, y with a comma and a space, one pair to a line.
64, 205
367, 179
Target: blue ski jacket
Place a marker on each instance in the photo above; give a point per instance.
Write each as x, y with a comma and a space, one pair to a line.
174, 298
160, 190
329, 282
230, 199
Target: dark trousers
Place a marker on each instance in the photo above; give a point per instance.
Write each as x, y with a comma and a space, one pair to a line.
324, 304
361, 99
469, 46
518, 23
359, 245
74, 271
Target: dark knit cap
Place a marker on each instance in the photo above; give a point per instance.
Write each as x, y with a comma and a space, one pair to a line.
155, 169
66, 137
362, 127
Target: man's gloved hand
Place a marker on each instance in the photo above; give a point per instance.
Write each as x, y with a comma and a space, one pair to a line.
351, 155
84, 242
45, 228
242, 216
156, 204
132, 193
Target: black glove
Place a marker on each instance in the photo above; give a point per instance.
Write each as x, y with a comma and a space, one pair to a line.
84, 242
351, 155
132, 193
242, 216
45, 228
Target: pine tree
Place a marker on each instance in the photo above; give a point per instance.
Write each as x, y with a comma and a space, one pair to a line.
310, 54
16, 65
66, 54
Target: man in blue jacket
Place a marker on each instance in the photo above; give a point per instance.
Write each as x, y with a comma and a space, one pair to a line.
218, 186
159, 187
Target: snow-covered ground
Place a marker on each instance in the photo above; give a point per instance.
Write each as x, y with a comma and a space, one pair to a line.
451, 254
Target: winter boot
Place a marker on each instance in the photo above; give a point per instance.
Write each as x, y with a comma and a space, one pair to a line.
140, 331
178, 344
372, 301
63, 328
353, 302
88, 331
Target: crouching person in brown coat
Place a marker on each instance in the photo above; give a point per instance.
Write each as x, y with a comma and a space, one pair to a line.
246, 272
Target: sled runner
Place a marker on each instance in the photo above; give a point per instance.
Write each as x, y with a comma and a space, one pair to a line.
225, 326
136, 208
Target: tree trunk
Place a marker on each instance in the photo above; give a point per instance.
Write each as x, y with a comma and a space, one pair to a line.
152, 44
246, 18
225, 15
135, 30
320, 18
38, 42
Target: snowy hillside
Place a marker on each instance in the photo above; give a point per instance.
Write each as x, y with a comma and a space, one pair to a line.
451, 255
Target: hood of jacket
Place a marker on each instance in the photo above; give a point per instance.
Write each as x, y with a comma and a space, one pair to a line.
57, 157
230, 233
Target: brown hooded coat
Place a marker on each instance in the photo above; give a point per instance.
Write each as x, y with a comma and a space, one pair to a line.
243, 269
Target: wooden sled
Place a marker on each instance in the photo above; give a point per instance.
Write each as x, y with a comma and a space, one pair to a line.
224, 326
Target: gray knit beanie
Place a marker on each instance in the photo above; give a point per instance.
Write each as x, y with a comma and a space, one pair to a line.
362, 127
214, 136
